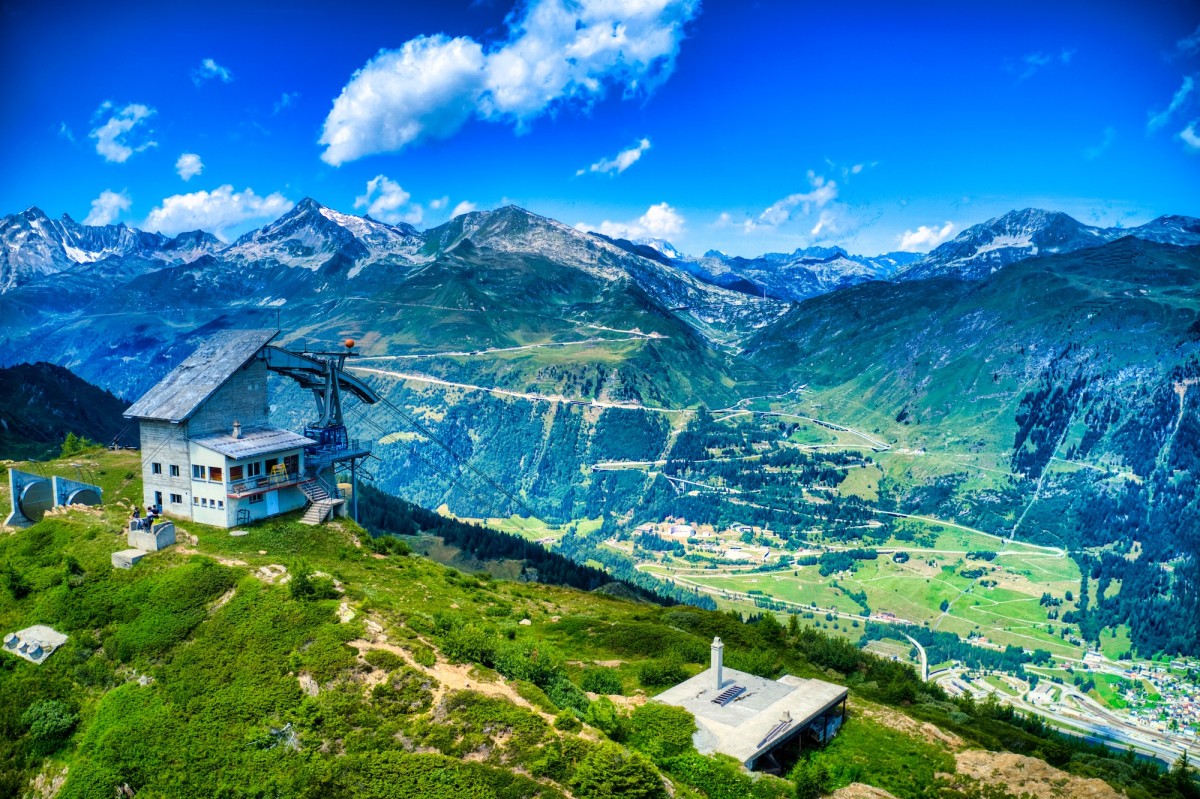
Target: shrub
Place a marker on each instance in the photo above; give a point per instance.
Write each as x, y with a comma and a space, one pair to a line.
406, 691
601, 680
536, 662
661, 731
567, 721
566, 694
658, 673
14, 582
610, 772
383, 659
423, 655
49, 720
534, 696
604, 715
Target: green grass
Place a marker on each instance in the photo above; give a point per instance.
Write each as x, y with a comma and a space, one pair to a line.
186, 670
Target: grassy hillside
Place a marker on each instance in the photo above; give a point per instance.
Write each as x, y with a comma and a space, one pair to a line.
295, 661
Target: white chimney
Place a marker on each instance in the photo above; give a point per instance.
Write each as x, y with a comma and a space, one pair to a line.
718, 665
237, 429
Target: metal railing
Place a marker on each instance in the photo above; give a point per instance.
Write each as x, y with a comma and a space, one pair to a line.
264, 482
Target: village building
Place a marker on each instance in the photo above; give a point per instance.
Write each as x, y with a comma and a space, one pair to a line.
209, 452
762, 723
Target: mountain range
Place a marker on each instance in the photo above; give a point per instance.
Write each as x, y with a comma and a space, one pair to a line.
1033, 376
313, 236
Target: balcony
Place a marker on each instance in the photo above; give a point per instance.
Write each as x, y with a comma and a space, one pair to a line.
256, 485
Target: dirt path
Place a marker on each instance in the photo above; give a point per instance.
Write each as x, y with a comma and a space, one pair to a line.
452, 677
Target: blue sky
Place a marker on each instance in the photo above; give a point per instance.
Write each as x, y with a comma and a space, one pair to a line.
747, 127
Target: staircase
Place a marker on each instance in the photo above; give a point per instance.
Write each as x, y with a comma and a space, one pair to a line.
320, 503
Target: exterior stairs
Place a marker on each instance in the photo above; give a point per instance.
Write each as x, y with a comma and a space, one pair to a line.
320, 503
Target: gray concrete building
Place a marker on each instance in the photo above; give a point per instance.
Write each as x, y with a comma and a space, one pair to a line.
755, 719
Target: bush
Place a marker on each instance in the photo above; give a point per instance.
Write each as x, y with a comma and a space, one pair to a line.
566, 694
605, 716
661, 731
528, 660
534, 696
601, 680
567, 721
304, 587
14, 582
658, 673
423, 655
49, 720
611, 772
406, 691
383, 659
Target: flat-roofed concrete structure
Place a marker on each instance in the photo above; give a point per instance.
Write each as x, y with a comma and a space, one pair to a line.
749, 717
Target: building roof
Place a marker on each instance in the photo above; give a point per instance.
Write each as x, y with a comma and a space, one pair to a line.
750, 724
186, 387
256, 441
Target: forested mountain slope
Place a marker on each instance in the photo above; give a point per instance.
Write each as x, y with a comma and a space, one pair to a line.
1074, 374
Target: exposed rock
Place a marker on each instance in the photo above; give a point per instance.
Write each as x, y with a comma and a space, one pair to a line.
1020, 775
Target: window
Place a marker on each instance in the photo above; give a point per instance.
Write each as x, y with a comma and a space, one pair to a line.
220, 504
195, 500
174, 469
176, 499
253, 469
156, 468
271, 463
216, 474
256, 498
197, 472
204, 502
236, 473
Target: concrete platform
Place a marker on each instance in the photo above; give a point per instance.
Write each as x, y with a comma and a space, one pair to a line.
160, 537
35, 643
758, 718
127, 558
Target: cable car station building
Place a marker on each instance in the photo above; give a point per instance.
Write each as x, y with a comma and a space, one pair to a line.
209, 452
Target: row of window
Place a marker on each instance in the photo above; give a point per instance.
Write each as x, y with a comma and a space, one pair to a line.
205, 502
216, 474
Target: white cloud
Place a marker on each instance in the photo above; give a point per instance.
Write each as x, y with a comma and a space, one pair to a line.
554, 53
214, 211
65, 132
659, 222
210, 69
189, 165
1156, 121
438, 203
1110, 136
107, 207
925, 237
464, 207
286, 100
1189, 44
822, 193
1190, 138
387, 201
1030, 64
122, 135
620, 162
